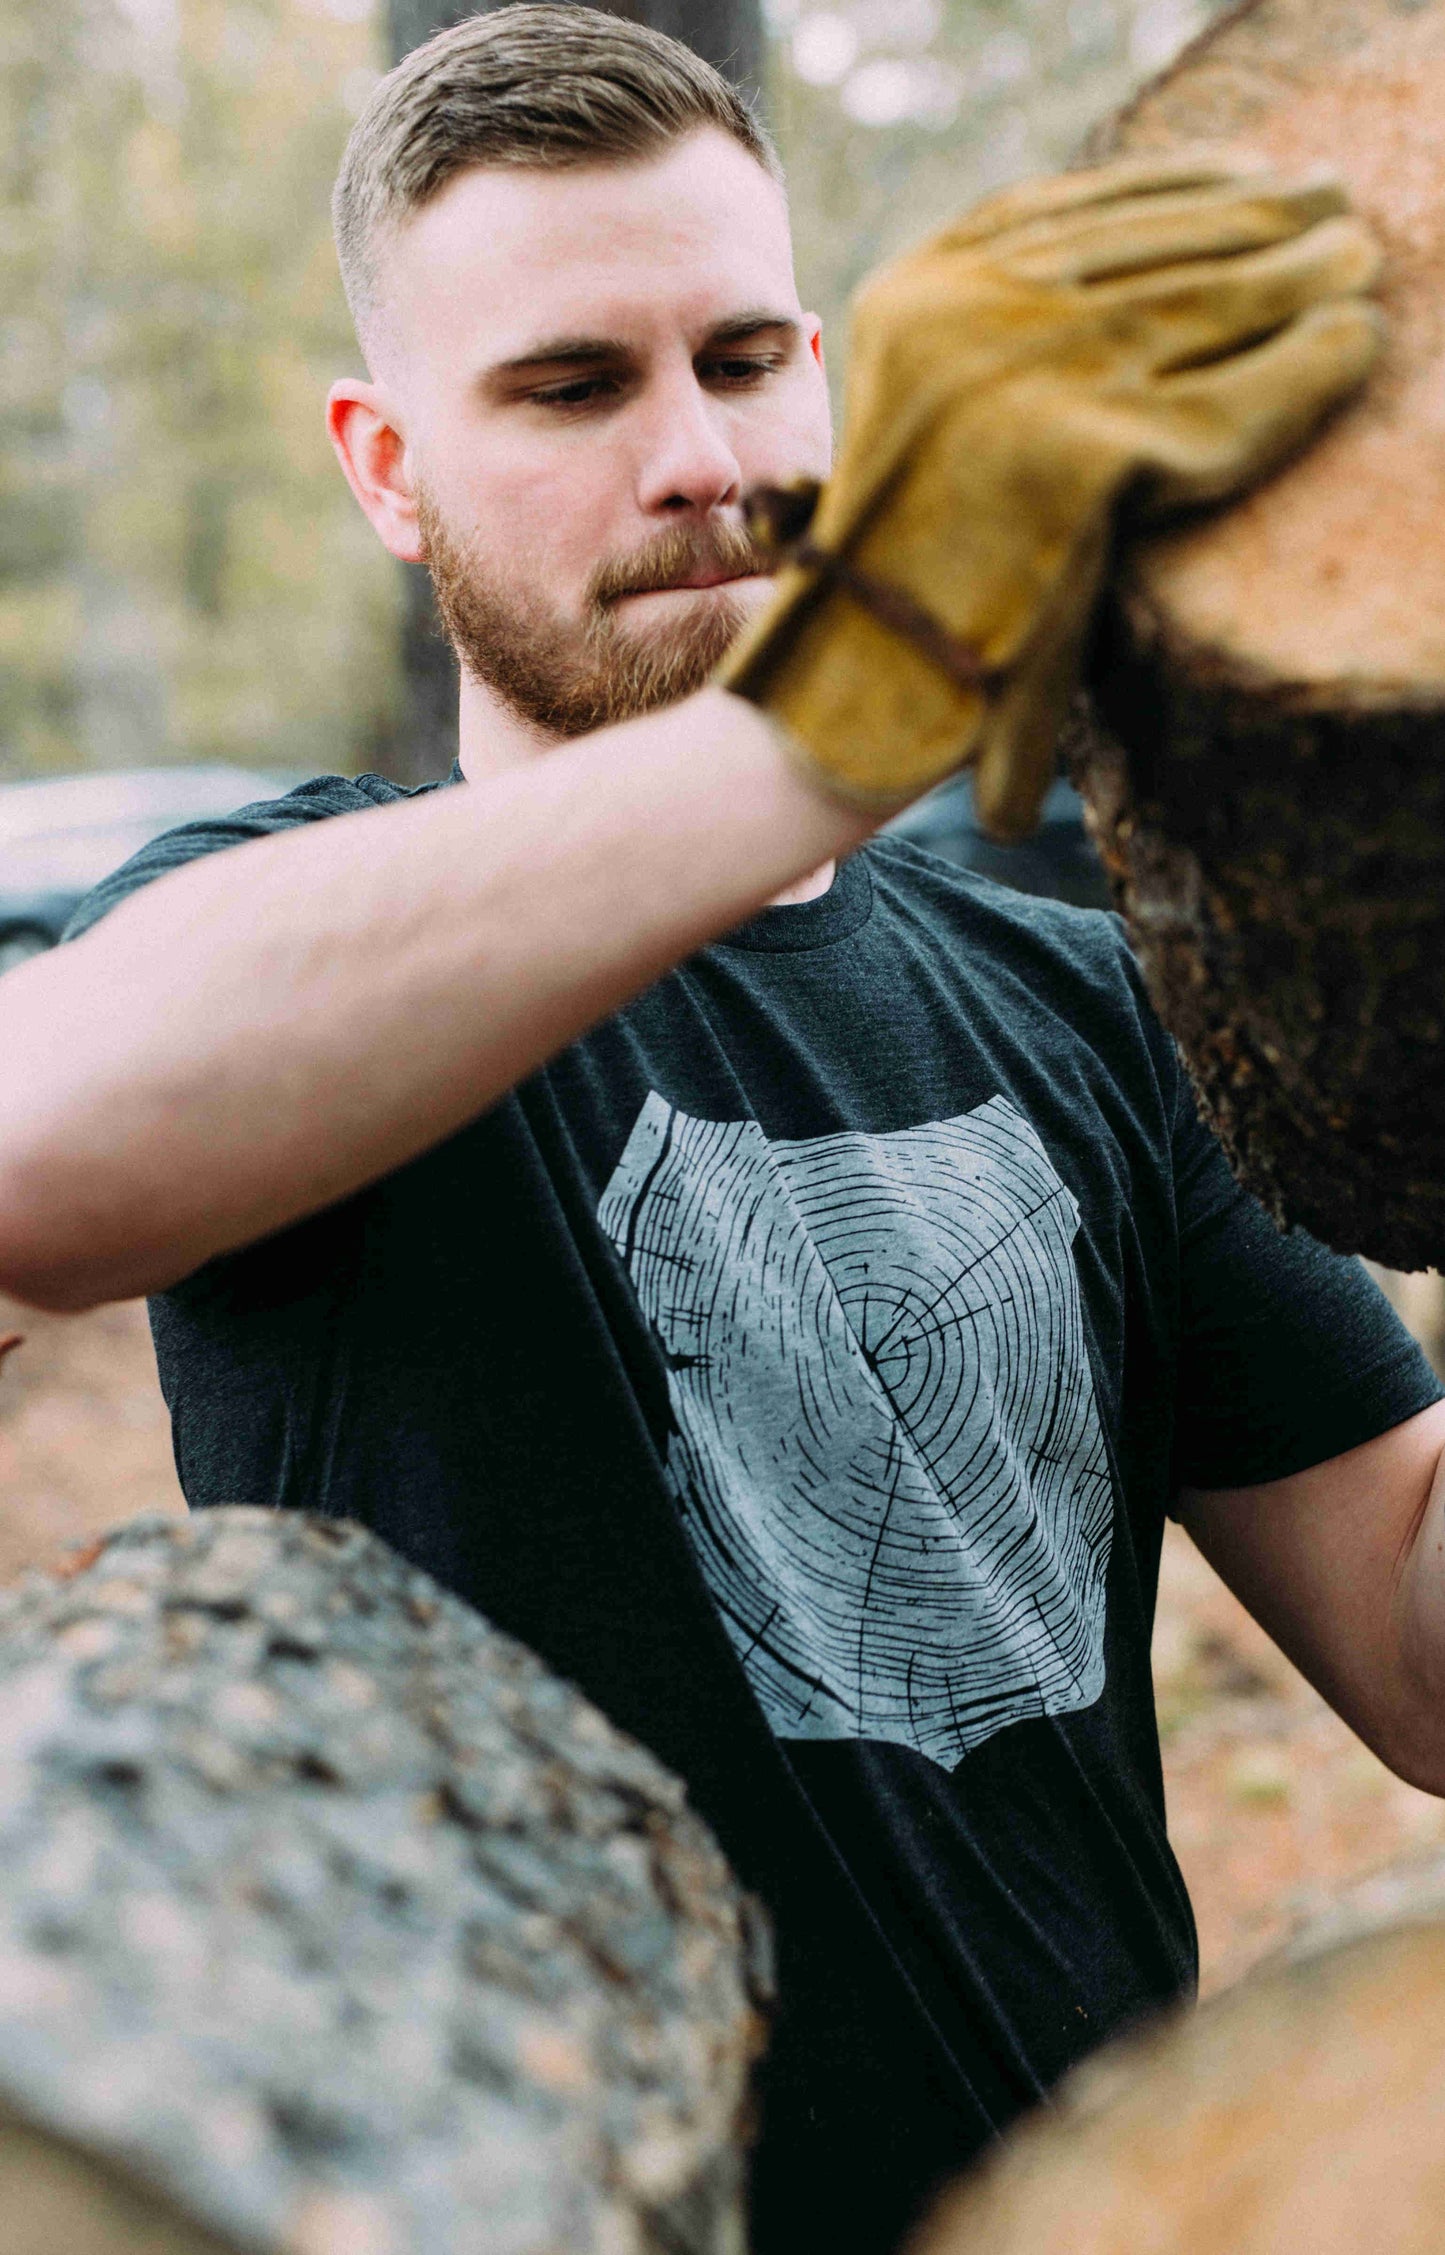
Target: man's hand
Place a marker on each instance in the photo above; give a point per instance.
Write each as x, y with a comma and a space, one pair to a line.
1165, 332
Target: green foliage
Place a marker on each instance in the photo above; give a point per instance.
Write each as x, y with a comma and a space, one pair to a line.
895, 114
183, 574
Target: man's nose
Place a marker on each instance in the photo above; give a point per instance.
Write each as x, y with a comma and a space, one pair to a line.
688, 461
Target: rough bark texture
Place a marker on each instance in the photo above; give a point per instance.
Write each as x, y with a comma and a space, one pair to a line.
1300, 2111
332, 1916
1287, 913
1276, 678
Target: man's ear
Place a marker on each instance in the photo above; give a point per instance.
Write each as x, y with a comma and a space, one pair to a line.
366, 433
813, 329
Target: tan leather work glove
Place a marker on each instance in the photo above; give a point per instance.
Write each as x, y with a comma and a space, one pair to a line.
1158, 331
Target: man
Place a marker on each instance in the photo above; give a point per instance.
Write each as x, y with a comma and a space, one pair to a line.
785, 1284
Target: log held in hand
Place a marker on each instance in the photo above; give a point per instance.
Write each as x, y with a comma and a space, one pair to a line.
1273, 805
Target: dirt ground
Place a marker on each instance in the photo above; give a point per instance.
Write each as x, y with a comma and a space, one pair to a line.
84, 1436
1277, 1812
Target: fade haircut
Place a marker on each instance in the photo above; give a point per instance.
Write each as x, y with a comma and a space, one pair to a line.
535, 85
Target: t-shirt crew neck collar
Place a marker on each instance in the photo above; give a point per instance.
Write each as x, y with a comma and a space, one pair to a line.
834, 915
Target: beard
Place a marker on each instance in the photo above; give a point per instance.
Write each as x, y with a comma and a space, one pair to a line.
568, 676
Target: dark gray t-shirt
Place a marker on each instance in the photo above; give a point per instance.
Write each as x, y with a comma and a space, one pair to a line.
805, 1362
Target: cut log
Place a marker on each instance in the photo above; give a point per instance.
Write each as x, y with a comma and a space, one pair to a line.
331, 1916
1299, 2111
1275, 676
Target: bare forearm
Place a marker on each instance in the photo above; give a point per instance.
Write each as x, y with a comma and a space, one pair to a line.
1418, 1614
263, 1032
1344, 1565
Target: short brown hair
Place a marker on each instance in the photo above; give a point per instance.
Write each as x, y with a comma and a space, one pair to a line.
530, 85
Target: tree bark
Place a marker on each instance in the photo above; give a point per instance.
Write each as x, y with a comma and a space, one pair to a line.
1301, 2110
334, 1924
1268, 788
726, 33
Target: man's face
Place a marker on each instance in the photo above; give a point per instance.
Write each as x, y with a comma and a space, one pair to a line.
590, 369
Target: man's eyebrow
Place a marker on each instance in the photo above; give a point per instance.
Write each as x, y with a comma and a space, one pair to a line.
754, 322
559, 352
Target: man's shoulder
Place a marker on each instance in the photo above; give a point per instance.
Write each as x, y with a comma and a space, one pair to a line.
991, 917
1060, 977
313, 801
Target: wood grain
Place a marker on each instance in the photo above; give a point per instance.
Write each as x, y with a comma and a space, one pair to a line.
1299, 2111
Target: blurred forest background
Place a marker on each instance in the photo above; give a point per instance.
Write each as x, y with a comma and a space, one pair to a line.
183, 575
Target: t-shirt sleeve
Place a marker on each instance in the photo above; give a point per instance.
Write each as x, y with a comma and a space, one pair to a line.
1289, 1354
310, 802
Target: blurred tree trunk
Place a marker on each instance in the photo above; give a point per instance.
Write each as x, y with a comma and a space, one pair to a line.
728, 33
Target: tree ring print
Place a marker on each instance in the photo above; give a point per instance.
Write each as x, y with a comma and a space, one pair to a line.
886, 1446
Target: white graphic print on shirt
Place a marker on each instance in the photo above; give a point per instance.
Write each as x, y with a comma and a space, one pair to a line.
887, 1449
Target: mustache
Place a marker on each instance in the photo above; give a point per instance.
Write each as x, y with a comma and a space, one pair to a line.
673, 557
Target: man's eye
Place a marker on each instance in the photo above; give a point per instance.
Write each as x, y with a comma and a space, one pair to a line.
585, 391
743, 368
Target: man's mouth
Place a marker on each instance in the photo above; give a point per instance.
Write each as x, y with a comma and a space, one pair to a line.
699, 580
679, 563
696, 582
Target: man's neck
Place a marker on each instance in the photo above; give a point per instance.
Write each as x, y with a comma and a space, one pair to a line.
491, 738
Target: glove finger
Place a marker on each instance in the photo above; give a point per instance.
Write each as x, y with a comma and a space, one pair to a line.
1229, 425
1017, 756
1015, 768
1222, 220
1117, 183
1219, 306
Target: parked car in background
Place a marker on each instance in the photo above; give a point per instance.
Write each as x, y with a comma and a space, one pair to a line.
1058, 861
60, 836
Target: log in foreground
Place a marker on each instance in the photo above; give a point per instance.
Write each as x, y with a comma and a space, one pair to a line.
1299, 2111
1275, 675
331, 1922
